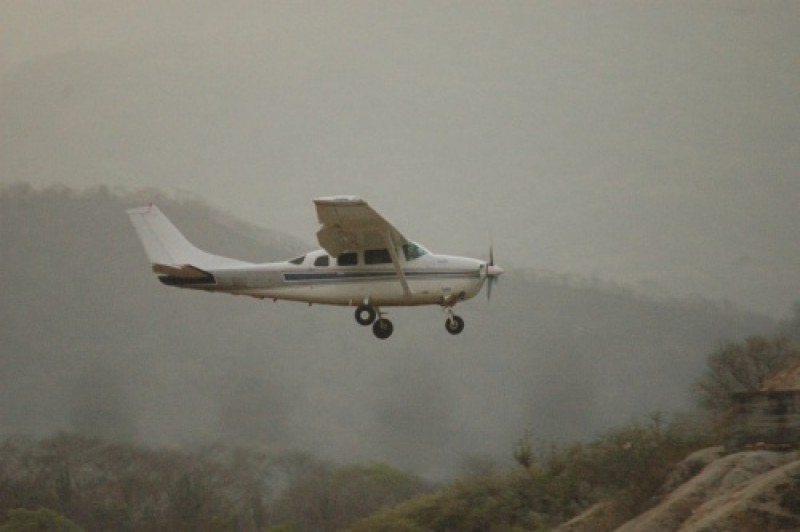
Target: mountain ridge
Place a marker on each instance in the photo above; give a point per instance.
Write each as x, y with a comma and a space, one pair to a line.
94, 344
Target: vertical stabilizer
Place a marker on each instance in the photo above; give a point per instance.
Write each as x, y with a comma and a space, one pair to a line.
165, 245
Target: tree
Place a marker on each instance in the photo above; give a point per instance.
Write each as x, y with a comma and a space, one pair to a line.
790, 328
740, 368
23, 520
328, 498
523, 451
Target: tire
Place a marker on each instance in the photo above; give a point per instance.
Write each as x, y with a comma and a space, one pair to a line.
382, 328
454, 325
365, 314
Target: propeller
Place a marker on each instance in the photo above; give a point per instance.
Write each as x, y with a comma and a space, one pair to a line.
492, 272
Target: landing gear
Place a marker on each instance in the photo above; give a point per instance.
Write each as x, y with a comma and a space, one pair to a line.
382, 328
365, 314
454, 324
369, 315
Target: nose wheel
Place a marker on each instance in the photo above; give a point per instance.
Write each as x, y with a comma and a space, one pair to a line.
454, 324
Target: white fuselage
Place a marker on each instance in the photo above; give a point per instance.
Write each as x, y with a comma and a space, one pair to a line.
365, 262
318, 278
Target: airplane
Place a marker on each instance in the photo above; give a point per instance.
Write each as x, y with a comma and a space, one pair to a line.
365, 262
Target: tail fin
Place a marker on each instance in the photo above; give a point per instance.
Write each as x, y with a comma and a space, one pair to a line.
167, 248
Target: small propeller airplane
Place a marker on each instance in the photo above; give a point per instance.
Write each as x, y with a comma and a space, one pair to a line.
365, 262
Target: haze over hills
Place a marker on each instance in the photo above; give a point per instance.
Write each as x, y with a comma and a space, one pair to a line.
91, 342
649, 145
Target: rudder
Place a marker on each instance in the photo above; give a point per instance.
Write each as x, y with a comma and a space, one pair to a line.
165, 245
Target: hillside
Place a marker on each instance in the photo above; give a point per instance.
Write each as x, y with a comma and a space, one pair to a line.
753, 490
92, 343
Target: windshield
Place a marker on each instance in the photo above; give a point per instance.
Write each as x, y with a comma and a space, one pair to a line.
413, 251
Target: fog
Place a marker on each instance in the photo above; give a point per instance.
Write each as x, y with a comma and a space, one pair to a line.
93, 343
644, 149
652, 144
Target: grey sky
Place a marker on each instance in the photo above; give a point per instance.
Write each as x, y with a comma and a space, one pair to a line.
651, 143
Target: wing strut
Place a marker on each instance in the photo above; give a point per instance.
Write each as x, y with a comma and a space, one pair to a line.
390, 245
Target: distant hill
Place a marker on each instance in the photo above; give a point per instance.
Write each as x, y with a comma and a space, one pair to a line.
91, 342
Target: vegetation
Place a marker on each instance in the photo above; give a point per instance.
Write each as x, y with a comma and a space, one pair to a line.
742, 367
41, 520
114, 486
625, 466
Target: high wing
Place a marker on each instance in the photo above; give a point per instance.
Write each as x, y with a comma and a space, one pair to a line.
350, 224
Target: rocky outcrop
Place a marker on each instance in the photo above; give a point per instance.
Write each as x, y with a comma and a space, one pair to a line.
787, 379
753, 490
744, 491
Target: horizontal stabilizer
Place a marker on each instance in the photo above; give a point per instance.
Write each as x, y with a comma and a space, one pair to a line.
183, 276
184, 272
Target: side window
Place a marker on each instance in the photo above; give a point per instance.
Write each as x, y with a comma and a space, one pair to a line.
377, 256
322, 261
348, 259
298, 260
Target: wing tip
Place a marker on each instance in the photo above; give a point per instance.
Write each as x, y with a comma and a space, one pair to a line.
341, 199
144, 209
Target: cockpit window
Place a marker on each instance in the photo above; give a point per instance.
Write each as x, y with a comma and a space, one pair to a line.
298, 260
324, 260
348, 259
377, 256
413, 251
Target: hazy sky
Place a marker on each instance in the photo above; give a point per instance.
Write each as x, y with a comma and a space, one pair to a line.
651, 143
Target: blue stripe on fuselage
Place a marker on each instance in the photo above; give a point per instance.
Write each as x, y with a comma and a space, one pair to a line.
372, 276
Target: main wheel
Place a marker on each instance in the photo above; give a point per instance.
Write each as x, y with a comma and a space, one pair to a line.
382, 328
454, 324
365, 314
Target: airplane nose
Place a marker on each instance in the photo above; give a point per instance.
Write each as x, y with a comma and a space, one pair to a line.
495, 271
